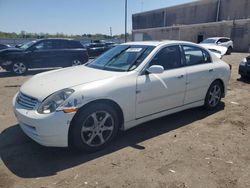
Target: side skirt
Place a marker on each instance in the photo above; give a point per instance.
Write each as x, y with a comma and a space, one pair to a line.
130, 124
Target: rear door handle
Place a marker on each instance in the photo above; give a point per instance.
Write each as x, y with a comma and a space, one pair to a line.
181, 76
211, 70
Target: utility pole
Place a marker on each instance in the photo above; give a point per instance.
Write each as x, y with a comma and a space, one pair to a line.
218, 10
110, 30
126, 13
142, 3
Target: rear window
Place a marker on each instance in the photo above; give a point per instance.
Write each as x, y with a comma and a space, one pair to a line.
74, 44
195, 55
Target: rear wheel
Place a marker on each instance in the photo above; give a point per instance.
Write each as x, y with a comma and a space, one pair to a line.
213, 96
19, 68
94, 127
229, 50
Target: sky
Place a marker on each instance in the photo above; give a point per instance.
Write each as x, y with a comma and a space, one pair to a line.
73, 16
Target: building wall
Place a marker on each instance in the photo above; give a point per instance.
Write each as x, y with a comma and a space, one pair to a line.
238, 30
203, 11
199, 19
234, 9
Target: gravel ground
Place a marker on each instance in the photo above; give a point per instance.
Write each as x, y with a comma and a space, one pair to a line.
191, 149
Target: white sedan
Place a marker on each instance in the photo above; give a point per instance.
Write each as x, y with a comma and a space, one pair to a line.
220, 41
85, 106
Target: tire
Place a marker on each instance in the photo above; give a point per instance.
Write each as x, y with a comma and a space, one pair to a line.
229, 50
94, 127
19, 68
213, 96
76, 62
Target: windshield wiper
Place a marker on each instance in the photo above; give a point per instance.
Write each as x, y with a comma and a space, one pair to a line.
134, 62
114, 57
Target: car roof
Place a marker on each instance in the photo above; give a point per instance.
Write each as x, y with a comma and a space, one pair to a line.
67, 39
217, 38
157, 43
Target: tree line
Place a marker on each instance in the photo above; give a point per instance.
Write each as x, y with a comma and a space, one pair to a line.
24, 34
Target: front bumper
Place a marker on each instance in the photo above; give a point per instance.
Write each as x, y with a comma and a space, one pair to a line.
46, 129
5, 64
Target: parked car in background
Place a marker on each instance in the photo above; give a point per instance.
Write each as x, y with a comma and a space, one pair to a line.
220, 41
130, 84
244, 68
4, 46
96, 49
43, 53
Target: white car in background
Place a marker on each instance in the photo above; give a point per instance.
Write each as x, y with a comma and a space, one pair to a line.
220, 41
132, 83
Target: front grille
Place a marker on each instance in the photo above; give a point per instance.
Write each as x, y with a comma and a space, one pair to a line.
26, 101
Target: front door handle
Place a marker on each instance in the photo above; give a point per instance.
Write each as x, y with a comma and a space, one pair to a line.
181, 76
211, 70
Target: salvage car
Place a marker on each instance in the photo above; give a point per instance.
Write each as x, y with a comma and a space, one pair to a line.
244, 68
220, 41
43, 53
130, 84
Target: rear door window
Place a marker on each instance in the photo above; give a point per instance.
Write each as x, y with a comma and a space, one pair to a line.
195, 56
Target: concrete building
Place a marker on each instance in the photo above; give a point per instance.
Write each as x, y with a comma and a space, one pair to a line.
196, 21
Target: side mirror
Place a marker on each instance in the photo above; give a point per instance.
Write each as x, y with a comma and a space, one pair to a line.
155, 69
218, 42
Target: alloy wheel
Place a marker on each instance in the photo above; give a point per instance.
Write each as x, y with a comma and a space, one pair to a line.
19, 68
214, 95
76, 62
97, 128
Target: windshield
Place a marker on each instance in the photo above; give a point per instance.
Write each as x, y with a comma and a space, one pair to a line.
27, 45
122, 58
209, 41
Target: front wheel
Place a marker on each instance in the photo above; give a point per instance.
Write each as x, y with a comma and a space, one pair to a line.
229, 50
213, 96
76, 62
94, 127
19, 68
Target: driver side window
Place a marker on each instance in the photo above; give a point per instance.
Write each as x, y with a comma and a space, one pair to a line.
44, 45
168, 57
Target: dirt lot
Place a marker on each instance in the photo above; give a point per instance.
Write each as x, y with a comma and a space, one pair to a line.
191, 149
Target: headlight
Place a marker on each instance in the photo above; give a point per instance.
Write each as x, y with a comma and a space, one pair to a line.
54, 101
243, 62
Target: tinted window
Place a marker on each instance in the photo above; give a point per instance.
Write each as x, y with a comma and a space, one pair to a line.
169, 58
207, 57
59, 44
44, 45
74, 44
225, 40
195, 55
209, 41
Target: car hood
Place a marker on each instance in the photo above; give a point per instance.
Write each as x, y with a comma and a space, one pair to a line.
219, 51
42, 85
6, 50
